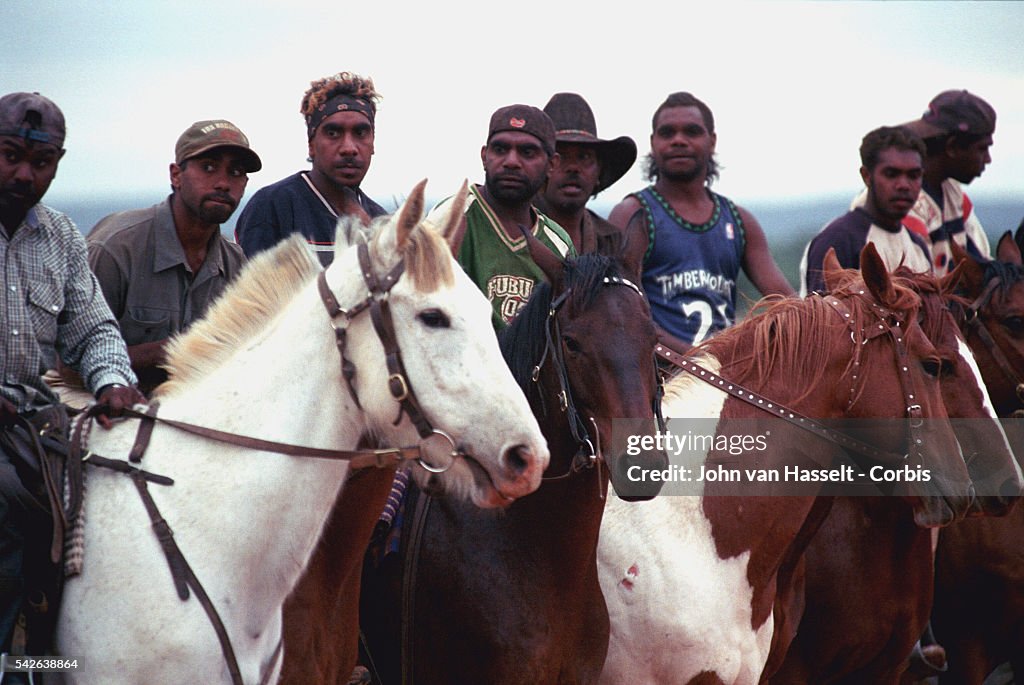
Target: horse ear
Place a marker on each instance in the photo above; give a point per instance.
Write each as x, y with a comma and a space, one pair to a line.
634, 245
876, 276
1007, 250
831, 269
971, 272
410, 215
454, 229
550, 263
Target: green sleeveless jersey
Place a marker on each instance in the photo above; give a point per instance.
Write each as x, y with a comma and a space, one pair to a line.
498, 263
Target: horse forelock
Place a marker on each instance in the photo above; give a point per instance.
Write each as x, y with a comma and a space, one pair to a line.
428, 258
1007, 273
265, 286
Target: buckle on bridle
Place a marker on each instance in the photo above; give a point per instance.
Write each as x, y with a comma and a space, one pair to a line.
398, 387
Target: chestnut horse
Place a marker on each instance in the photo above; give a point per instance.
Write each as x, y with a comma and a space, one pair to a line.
514, 598
979, 568
869, 568
706, 589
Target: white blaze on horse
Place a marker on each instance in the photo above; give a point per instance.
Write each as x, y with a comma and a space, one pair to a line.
265, 363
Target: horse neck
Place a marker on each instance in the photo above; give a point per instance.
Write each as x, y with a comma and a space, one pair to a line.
284, 387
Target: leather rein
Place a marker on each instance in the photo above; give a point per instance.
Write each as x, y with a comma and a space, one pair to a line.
398, 385
887, 324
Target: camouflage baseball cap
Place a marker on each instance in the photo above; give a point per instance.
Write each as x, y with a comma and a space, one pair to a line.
207, 135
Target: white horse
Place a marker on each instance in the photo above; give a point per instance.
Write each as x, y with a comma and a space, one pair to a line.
264, 363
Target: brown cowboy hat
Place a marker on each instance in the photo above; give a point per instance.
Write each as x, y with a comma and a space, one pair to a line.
574, 123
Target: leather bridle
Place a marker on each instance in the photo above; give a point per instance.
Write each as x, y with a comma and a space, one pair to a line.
973, 323
589, 449
399, 386
887, 323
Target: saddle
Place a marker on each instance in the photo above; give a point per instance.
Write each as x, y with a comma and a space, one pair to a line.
38, 445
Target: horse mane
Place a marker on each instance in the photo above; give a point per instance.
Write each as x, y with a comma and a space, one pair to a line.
936, 301
793, 333
266, 284
522, 341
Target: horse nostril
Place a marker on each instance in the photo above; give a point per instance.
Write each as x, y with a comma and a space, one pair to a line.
517, 459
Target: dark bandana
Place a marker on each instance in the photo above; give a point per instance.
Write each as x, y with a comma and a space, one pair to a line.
338, 103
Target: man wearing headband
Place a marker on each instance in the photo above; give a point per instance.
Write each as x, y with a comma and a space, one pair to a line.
50, 305
585, 165
698, 240
161, 268
517, 158
340, 113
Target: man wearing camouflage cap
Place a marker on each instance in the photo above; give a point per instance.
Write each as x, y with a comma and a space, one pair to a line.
161, 268
50, 306
516, 158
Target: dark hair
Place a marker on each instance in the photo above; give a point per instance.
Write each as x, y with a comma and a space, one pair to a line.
683, 99
886, 137
344, 83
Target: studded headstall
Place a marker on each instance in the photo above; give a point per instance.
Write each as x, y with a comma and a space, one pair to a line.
887, 324
589, 450
973, 322
380, 314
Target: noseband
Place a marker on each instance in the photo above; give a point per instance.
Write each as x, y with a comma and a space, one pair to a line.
380, 313
589, 450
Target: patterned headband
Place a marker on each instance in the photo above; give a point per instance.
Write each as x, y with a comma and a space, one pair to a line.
339, 103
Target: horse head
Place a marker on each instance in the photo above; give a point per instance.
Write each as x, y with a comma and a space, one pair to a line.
596, 359
442, 373
931, 473
990, 461
993, 321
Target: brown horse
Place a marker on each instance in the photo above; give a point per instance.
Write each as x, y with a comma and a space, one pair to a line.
979, 568
518, 592
869, 569
707, 589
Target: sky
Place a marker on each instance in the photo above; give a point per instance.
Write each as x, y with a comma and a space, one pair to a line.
793, 86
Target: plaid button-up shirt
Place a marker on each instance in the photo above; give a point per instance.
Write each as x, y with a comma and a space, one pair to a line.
51, 304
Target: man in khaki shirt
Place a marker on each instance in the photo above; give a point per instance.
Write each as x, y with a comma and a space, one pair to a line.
161, 268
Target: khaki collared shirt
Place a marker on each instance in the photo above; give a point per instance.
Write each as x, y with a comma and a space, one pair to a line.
145, 278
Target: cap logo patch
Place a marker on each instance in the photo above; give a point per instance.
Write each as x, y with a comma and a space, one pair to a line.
516, 123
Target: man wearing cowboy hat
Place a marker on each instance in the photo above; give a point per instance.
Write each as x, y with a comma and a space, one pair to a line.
585, 166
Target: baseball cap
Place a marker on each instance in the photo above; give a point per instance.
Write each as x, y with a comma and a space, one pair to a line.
207, 135
955, 111
33, 117
525, 119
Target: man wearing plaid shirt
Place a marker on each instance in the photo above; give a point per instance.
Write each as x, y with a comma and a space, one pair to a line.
50, 305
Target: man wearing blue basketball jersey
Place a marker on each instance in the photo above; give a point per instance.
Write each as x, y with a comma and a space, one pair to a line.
698, 240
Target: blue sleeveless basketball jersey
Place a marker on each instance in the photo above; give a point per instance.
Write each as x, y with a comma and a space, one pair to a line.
690, 270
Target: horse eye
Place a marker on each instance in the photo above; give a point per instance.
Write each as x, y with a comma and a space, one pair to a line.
434, 318
1014, 324
937, 368
571, 344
